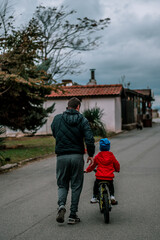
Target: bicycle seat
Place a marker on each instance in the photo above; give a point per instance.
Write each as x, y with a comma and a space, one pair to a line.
104, 182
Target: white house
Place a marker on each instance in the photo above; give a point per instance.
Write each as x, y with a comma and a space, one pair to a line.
122, 108
106, 97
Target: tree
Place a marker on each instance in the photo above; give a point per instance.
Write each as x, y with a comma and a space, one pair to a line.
32, 56
62, 39
123, 82
6, 21
23, 86
94, 116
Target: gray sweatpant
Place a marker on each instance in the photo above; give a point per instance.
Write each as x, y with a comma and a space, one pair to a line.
69, 170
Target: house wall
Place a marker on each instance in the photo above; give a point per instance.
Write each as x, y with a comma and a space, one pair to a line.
108, 107
111, 112
118, 114
60, 106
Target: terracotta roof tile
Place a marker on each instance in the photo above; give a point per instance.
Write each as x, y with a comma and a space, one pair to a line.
88, 90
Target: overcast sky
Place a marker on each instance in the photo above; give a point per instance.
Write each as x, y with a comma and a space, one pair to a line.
130, 45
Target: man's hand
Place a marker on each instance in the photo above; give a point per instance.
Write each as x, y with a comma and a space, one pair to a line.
91, 160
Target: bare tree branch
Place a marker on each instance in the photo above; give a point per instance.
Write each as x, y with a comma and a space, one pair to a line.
61, 38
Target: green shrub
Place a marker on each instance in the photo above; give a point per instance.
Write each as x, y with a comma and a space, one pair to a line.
94, 116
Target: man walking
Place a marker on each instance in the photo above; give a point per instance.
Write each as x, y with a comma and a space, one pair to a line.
70, 130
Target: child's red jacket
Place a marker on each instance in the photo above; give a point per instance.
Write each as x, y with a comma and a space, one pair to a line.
106, 164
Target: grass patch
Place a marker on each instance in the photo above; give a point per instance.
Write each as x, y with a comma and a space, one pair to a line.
18, 149
17, 155
30, 141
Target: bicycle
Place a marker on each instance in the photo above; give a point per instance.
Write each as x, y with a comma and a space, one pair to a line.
104, 200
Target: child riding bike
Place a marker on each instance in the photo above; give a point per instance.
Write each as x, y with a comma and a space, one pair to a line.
105, 164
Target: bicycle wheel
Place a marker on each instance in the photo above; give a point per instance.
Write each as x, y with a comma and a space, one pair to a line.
101, 205
106, 208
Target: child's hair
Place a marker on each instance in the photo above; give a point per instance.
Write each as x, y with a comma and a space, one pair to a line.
104, 144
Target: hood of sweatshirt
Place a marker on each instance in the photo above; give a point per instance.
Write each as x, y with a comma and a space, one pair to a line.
105, 157
72, 117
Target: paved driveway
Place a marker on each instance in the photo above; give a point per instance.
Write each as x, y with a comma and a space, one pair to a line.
28, 197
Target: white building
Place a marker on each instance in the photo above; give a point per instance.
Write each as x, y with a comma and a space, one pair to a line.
122, 108
106, 97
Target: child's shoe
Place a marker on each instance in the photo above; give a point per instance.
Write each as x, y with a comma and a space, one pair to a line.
93, 200
113, 200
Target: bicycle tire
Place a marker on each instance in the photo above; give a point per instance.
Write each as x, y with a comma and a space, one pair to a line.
100, 206
106, 207
100, 199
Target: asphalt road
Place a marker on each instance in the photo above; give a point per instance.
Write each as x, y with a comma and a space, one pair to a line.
28, 197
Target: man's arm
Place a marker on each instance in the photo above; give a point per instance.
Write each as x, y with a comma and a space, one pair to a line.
91, 159
91, 166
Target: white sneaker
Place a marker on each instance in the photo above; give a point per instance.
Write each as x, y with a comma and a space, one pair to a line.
113, 200
113, 197
93, 200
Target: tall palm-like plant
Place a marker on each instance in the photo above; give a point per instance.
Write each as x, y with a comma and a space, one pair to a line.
94, 116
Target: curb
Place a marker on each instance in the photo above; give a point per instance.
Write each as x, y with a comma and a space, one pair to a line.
7, 167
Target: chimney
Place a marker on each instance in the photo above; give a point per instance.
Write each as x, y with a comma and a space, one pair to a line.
92, 81
67, 82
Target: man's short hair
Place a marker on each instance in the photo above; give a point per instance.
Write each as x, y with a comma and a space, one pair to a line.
74, 102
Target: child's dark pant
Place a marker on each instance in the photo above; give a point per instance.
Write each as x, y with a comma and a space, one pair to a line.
96, 185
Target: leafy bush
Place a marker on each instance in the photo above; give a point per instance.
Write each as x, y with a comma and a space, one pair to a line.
94, 116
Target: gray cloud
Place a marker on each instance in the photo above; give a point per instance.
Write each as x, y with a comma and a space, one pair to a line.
89, 8
130, 46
